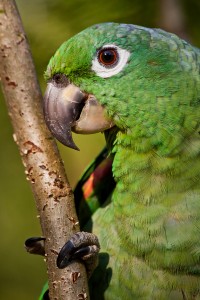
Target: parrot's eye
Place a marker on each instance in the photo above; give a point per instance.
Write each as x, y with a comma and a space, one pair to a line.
108, 57
60, 80
109, 61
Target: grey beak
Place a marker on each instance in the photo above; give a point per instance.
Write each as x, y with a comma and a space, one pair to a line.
62, 107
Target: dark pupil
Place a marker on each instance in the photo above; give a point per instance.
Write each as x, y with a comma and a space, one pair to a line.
108, 56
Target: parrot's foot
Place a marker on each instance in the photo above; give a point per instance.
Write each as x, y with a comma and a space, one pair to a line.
83, 246
35, 245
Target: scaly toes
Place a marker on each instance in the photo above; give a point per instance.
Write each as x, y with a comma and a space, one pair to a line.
83, 246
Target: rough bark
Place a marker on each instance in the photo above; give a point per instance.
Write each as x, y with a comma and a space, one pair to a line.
43, 165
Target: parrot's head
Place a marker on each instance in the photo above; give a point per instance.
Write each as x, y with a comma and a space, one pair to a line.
114, 75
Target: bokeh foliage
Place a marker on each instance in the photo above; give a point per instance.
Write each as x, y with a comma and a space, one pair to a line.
48, 23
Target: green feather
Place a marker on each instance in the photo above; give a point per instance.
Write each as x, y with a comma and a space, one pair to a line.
149, 232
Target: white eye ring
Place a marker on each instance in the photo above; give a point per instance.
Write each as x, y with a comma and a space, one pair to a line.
108, 71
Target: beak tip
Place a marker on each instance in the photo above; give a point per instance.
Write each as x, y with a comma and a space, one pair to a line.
72, 146
66, 139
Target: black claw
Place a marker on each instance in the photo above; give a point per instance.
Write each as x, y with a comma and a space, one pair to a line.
82, 252
35, 245
65, 254
83, 246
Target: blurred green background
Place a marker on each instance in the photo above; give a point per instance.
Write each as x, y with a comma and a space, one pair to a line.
47, 24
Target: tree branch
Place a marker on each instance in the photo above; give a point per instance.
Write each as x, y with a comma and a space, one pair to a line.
172, 18
43, 166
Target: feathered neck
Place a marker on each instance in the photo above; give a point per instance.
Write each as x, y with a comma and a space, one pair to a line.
145, 176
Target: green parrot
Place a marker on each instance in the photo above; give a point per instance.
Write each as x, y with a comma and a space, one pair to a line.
141, 87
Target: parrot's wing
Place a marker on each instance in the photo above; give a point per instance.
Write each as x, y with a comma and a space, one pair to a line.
95, 187
45, 292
